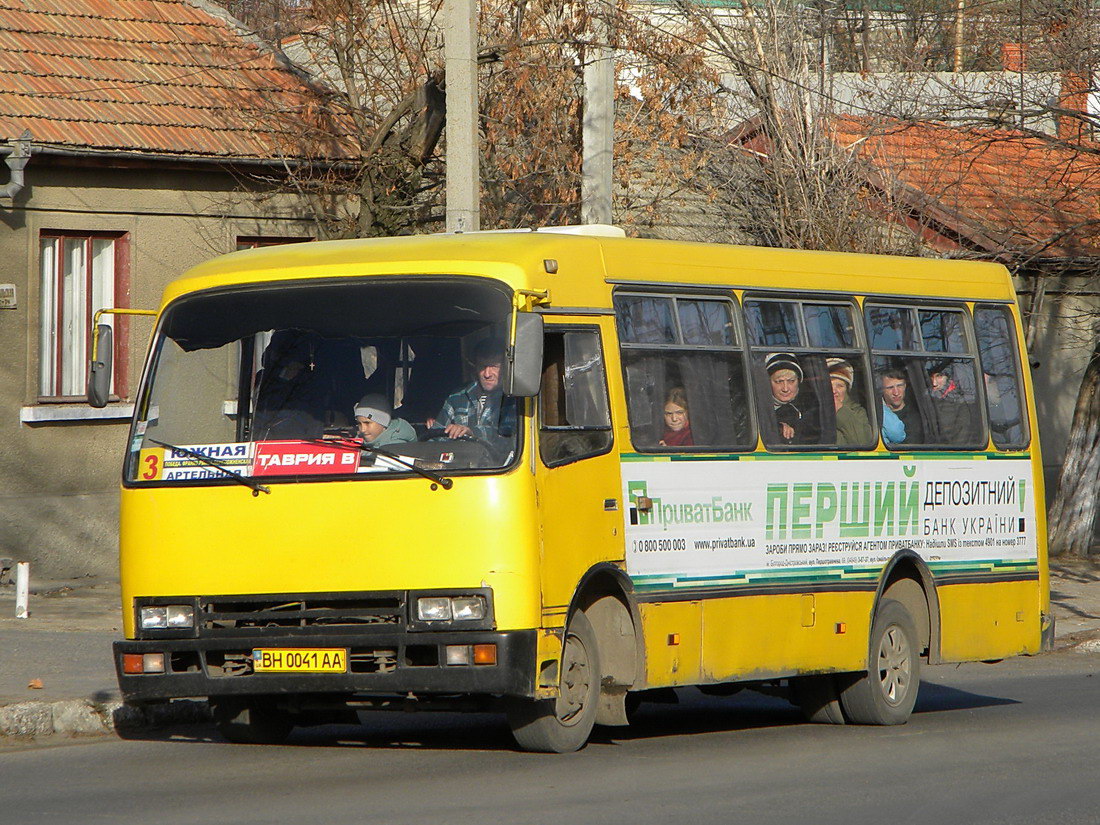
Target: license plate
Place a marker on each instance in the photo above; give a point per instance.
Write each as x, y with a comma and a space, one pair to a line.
300, 660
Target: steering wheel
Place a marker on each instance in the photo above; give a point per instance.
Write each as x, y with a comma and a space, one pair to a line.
481, 442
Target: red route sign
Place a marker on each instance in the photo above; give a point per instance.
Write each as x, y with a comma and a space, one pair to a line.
298, 458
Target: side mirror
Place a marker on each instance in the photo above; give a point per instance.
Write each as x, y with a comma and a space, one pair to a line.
524, 374
101, 367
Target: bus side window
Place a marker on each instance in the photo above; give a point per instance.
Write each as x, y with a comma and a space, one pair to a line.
1001, 377
809, 366
684, 373
925, 377
574, 418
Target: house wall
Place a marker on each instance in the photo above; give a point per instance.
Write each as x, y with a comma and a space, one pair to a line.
59, 480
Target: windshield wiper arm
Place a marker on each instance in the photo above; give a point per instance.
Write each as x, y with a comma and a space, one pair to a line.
350, 443
251, 484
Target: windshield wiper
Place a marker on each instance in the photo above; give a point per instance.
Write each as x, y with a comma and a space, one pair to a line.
350, 443
251, 484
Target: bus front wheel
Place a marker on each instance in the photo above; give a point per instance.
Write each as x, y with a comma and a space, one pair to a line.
253, 722
564, 724
885, 695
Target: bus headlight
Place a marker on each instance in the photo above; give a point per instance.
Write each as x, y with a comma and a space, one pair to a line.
450, 608
467, 608
433, 609
167, 616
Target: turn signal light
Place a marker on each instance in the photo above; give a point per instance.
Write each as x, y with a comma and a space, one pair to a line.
136, 664
485, 654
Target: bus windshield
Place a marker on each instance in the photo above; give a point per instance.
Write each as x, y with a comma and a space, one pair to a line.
346, 378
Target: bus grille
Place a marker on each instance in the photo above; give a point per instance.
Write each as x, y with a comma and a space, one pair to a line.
318, 613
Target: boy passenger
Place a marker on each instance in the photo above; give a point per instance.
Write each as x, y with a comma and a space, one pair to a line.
377, 426
895, 401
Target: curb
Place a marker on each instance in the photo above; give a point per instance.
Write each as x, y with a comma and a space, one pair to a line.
83, 717
1081, 641
1087, 646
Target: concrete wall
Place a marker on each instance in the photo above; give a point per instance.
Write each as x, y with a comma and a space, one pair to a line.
59, 480
1066, 331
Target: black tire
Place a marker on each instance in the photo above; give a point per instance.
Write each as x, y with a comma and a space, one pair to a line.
818, 697
563, 725
886, 694
721, 689
250, 722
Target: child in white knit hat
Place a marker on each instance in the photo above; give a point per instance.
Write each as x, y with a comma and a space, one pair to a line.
377, 426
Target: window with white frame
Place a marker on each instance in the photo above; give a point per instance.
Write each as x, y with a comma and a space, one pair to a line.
78, 274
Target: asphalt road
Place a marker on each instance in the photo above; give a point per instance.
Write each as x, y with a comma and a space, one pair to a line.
1010, 743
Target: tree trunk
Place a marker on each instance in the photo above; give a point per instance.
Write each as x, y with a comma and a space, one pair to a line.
1073, 510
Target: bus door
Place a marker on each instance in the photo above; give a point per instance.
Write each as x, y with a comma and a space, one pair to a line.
576, 472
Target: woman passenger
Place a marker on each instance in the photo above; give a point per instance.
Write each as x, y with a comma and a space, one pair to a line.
795, 418
677, 420
853, 427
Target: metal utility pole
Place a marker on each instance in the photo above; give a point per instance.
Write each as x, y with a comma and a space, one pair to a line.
598, 139
463, 175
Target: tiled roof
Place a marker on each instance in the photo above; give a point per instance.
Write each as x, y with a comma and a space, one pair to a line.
150, 76
1004, 191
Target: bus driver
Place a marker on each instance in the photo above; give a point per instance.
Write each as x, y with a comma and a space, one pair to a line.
477, 410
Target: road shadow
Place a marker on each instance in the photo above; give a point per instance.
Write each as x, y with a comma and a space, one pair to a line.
935, 698
386, 730
749, 710
692, 713
695, 713
442, 731
381, 730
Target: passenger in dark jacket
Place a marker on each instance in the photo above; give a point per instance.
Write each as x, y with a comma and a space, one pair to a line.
954, 415
796, 419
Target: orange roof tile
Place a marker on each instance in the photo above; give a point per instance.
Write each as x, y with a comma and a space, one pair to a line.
154, 76
1009, 192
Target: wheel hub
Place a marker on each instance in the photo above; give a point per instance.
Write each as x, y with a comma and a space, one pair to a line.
895, 666
575, 681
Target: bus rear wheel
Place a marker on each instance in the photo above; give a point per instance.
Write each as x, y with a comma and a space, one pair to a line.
564, 724
250, 722
885, 695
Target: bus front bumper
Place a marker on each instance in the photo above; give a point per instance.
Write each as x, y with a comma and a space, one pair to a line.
401, 663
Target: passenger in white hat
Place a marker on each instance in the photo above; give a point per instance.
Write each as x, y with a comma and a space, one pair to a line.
795, 419
377, 426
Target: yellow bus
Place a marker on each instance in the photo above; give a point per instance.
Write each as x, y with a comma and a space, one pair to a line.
549, 472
